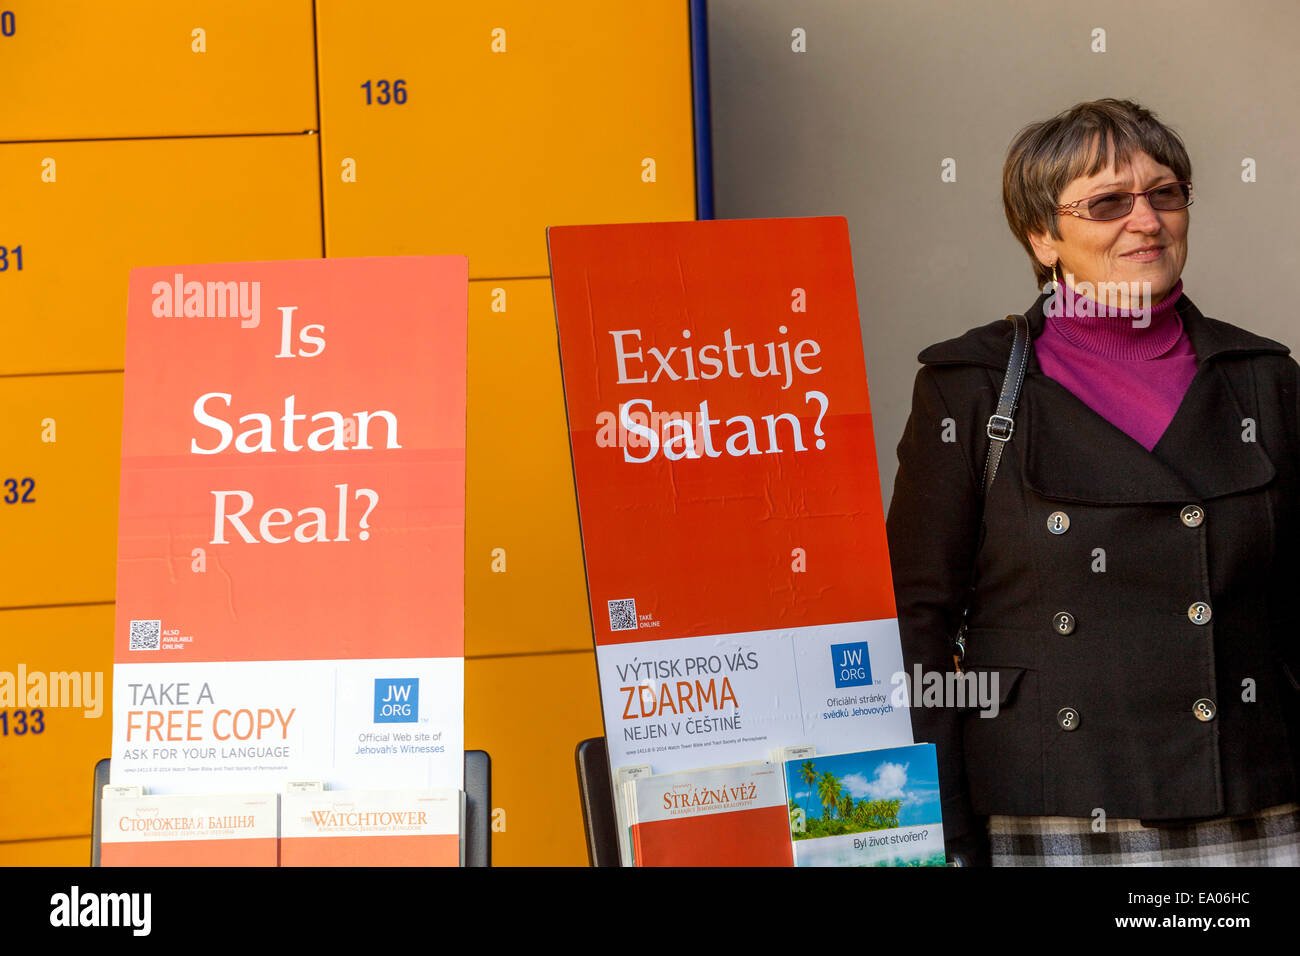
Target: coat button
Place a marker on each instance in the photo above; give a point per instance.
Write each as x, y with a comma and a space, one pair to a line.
1058, 522
1204, 709
1199, 613
1063, 622
1068, 718
1192, 516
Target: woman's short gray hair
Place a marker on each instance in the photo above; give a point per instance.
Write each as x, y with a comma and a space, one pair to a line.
1046, 157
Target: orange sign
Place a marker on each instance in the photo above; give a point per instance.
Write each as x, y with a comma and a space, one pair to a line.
721, 426
293, 475
732, 527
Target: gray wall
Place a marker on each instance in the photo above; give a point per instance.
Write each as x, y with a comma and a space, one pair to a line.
859, 124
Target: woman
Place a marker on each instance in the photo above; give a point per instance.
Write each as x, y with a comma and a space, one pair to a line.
1135, 559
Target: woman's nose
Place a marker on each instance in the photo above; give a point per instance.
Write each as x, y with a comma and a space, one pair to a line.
1144, 217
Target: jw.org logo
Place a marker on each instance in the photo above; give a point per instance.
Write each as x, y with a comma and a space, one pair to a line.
397, 700
852, 664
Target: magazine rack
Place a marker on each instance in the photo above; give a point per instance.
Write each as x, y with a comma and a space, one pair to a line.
478, 808
597, 796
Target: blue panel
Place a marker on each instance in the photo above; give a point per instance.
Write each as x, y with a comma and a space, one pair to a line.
700, 103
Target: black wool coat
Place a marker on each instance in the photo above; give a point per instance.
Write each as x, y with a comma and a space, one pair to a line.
1170, 692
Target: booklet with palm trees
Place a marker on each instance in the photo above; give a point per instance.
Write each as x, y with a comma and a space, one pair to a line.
871, 808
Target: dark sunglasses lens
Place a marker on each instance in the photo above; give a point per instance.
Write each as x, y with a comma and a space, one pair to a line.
1110, 206
1173, 196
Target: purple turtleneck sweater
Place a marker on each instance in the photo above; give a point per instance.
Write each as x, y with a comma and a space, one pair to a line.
1135, 378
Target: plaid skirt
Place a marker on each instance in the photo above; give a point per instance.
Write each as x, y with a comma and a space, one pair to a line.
1267, 838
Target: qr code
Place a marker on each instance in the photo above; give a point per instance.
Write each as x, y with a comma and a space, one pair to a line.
146, 635
622, 615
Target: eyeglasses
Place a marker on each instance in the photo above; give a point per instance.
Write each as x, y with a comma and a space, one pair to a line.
1106, 206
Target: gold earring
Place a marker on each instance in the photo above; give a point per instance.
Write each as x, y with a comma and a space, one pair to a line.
1056, 268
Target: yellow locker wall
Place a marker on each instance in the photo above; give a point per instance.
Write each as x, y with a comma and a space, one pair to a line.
45, 778
120, 204
490, 148
525, 589
87, 69
71, 851
63, 433
529, 713
568, 113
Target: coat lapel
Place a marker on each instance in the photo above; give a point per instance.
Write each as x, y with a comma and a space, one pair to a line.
1069, 452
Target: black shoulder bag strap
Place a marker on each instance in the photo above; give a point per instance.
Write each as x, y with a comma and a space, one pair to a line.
1000, 428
